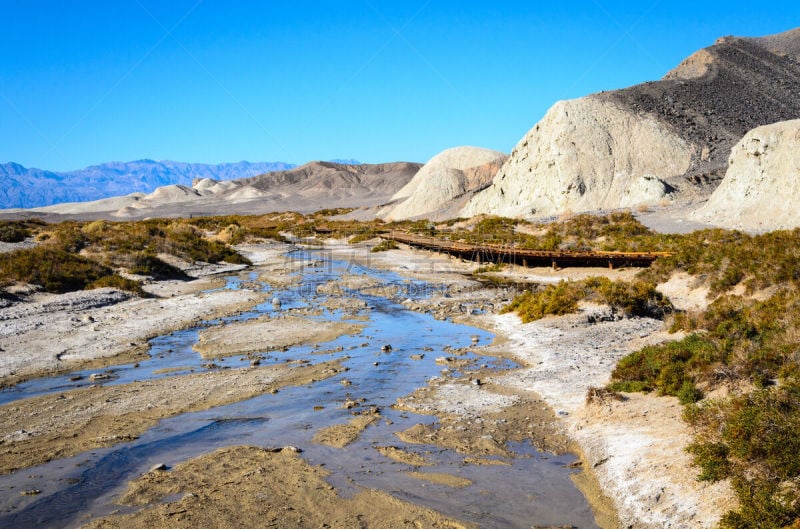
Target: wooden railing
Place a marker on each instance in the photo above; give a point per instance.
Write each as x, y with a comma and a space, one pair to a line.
506, 253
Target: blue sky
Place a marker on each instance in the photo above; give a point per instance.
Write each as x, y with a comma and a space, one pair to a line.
220, 81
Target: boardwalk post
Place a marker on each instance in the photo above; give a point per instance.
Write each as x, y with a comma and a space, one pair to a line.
555, 266
610, 264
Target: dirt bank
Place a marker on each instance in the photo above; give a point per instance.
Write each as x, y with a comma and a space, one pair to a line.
635, 447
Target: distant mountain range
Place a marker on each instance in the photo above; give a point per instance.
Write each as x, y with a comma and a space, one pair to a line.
22, 187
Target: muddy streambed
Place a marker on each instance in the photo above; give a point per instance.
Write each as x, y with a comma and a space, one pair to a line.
530, 489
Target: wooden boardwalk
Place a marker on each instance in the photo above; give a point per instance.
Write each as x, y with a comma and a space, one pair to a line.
498, 253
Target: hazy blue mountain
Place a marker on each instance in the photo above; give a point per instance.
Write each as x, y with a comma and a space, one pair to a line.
21, 187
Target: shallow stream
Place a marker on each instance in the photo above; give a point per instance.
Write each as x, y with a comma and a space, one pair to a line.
535, 490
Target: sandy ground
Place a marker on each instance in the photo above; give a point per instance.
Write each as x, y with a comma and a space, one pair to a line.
341, 435
270, 489
36, 430
268, 334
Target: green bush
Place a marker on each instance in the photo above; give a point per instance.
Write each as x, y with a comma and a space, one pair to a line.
56, 270
633, 299
668, 368
495, 267
13, 232
753, 438
712, 458
150, 265
552, 300
384, 245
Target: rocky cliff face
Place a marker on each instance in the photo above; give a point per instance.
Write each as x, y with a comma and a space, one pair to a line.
447, 176
650, 142
761, 189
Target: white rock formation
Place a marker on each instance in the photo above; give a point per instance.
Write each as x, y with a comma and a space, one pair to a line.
761, 189
585, 155
446, 176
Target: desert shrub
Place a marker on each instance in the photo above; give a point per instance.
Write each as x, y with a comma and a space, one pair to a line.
187, 242
636, 298
600, 395
712, 459
552, 300
494, 267
494, 229
668, 368
68, 237
726, 258
55, 270
12, 231
118, 282
150, 265
751, 436
384, 245
363, 235
753, 439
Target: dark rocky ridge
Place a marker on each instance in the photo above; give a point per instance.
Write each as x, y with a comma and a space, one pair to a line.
748, 83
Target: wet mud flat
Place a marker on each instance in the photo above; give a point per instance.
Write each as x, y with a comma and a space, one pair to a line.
302, 434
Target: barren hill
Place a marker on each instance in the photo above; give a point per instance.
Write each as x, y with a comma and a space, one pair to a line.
651, 142
313, 186
448, 176
761, 189
337, 180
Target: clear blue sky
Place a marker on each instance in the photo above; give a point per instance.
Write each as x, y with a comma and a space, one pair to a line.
212, 80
